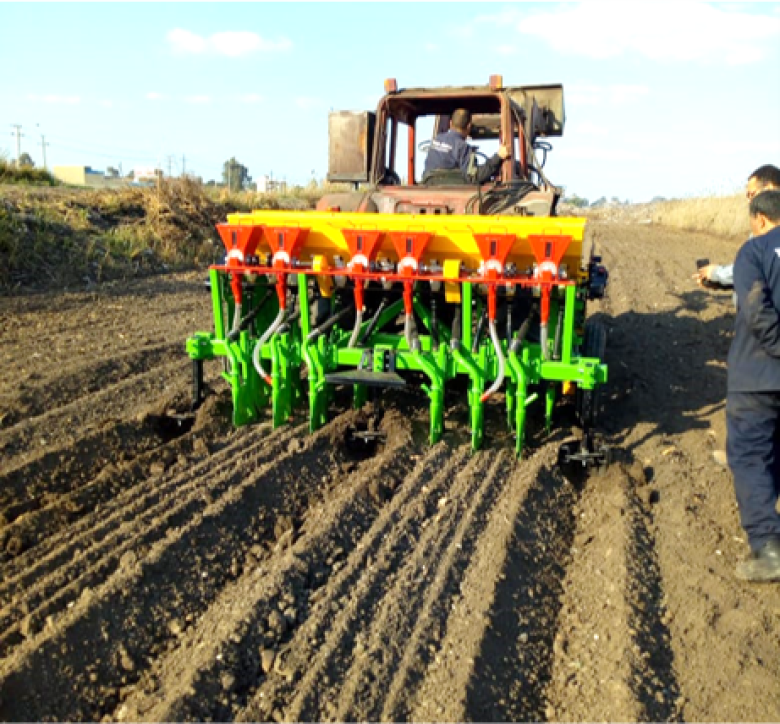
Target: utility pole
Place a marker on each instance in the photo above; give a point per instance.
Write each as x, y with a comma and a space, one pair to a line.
19, 135
170, 161
183, 165
43, 148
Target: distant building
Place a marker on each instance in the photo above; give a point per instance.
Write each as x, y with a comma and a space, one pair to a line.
87, 176
146, 174
267, 185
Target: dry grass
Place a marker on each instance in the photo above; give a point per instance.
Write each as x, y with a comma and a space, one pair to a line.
724, 216
60, 237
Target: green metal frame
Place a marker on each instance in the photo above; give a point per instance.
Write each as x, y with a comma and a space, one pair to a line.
291, 352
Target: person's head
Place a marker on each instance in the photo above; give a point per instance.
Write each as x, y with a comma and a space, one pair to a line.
763, 178
765, 212
461, 122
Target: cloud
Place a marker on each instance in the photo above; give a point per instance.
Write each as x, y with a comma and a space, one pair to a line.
689, 31
55, 99
251, 98
106, 104
596, 95
152, 96
605, 153
230, 44
198, 100
431, 48
307, 103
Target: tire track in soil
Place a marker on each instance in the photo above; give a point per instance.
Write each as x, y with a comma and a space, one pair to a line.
75, 668
141, 516
613, 660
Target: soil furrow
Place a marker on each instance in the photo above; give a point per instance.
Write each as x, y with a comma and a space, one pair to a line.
591, 670
413, 617
174, 577
141, 496
145, 457
272, 604
115, 540
406, 561
67, 423
67, 383
473, 678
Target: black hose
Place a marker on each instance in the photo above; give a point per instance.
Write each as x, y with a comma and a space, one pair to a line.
457, 329
285, 327
524, 327
246, 321
328, 323
374, 320
434, 326
558, 331
479, 331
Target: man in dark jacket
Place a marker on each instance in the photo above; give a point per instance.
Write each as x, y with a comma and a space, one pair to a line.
753, 400
450, 159
764, 178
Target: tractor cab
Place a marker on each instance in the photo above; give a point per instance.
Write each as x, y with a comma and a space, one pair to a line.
383, 153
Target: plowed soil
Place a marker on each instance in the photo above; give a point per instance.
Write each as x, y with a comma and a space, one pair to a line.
157, 571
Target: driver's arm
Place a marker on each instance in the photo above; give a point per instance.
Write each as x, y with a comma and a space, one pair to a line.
492, 166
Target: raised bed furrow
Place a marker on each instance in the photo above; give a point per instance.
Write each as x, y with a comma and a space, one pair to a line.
412, 617
348, 601
84, 564
142, 453
137, 497
65, 383
335, 540
67, 423
590, 677
105, 640
473, 673
329, 665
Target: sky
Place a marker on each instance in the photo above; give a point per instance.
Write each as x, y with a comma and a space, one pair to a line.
671, 99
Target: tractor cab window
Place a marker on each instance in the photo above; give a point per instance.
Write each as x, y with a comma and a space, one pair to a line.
396, 153
412, 122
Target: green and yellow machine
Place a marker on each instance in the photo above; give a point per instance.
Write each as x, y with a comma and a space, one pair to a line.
402, 283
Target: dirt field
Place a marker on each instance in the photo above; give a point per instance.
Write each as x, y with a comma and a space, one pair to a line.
251, 574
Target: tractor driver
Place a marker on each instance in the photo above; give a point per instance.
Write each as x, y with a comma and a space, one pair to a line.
451, 160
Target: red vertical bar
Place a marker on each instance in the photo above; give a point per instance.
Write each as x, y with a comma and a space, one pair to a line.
410, 153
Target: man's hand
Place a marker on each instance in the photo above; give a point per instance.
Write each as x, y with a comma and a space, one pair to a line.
503, 152
703, 277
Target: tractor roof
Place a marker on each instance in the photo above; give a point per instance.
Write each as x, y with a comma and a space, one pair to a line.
410, 103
